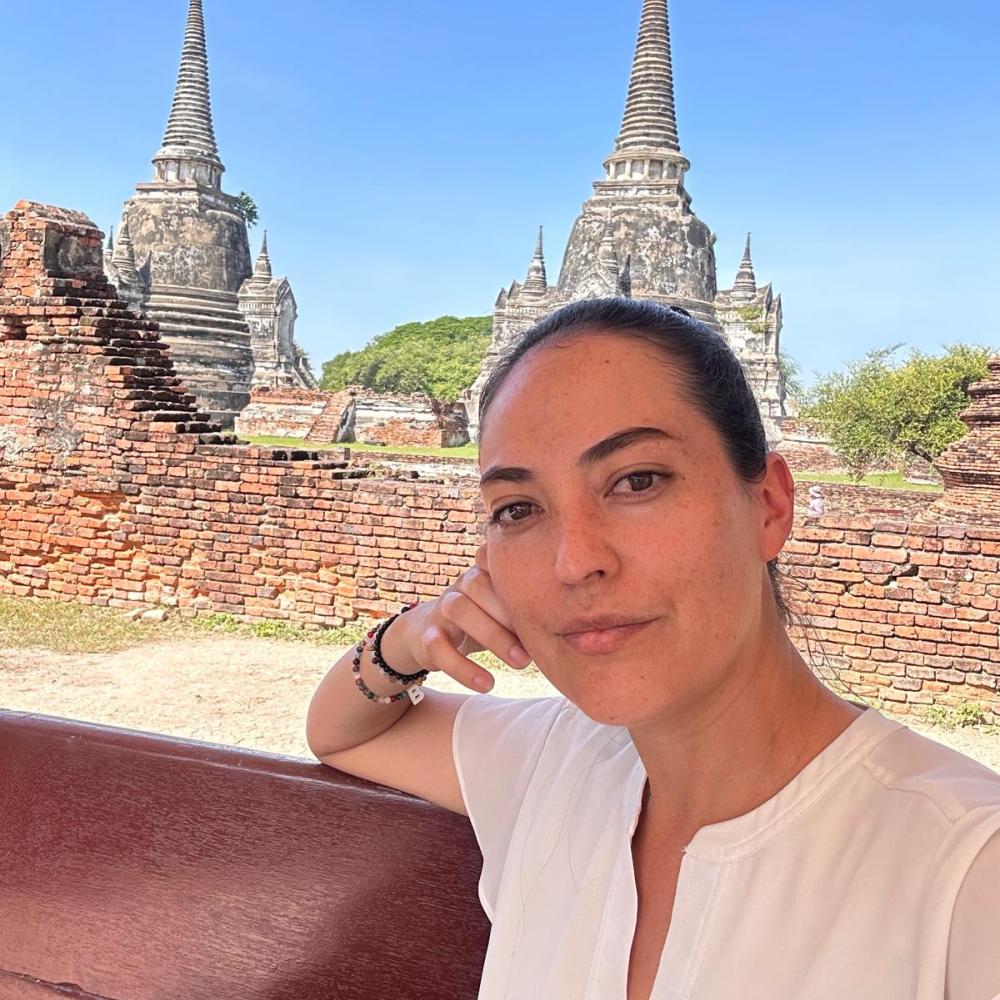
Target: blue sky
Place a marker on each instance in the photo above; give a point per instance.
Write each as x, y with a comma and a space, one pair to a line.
403, 153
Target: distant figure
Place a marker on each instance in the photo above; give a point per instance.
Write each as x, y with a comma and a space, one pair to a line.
816, 506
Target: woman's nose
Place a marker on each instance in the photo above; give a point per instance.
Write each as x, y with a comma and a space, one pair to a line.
583, 548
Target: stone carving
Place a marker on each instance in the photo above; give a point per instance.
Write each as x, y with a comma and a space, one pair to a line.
637, 236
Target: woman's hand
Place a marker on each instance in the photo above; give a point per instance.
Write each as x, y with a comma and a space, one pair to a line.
467, 618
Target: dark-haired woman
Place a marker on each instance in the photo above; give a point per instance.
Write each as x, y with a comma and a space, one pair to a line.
696, 816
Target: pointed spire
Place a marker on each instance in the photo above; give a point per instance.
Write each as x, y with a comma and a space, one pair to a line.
650, 115
111, 238
262, 269
123, 257
537, 282
190, 122
190, 134
745, 287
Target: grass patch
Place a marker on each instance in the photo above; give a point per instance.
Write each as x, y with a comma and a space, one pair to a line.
470, 451
35, 623
62, 627
882, 480
221, 623
969, 713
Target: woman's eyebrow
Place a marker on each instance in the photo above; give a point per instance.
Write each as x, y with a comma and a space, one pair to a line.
595, 453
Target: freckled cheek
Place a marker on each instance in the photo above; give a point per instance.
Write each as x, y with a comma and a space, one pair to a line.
698, 568
518, 575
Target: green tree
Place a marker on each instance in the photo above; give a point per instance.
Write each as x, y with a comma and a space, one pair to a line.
886, 410
792, 373
441, 358
247, 207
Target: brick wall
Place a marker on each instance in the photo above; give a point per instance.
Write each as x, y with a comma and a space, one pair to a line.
844, 499
903, 611
810, 456
116, 491
414, 420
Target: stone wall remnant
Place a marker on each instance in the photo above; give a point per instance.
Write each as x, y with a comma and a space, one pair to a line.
355, 414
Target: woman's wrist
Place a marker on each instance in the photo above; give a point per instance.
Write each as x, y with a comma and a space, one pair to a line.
395, 645
374, 679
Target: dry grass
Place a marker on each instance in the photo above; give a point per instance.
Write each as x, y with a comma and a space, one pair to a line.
63, 627
879, 480
470, 451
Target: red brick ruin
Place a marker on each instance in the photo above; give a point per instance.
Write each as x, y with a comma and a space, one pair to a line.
115, 491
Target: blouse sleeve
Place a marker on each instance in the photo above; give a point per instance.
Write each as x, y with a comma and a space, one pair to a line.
497, 744
974, 943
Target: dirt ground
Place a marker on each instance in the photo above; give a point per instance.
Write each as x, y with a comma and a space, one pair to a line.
243, 691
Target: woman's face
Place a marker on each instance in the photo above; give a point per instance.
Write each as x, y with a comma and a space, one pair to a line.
659, 531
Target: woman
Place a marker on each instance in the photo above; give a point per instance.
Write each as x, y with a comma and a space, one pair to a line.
697, 815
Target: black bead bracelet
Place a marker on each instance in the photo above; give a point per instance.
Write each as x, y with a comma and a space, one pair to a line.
376, 634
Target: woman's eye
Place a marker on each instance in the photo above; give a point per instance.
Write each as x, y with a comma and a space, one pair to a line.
497, 516
638, 478
642, 482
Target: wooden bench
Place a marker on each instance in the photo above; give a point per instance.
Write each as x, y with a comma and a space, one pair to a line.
142, 867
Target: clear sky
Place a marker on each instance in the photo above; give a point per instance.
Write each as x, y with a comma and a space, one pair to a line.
402, 153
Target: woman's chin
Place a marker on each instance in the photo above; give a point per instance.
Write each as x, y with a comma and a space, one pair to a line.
610, 703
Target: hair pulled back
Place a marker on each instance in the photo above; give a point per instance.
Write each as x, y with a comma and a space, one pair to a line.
708, 373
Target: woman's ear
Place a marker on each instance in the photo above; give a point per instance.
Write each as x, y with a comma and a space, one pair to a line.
777, 497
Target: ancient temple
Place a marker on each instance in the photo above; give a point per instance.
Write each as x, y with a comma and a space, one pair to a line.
268, 306
637, 236
182, 255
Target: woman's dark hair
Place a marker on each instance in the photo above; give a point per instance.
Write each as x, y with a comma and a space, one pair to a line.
710, 377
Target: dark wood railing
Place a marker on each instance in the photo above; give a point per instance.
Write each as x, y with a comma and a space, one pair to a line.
142, 867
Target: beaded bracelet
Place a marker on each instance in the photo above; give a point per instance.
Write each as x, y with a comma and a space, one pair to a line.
376, 636
413, 693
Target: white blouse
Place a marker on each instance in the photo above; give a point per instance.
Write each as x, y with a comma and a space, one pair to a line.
842, 885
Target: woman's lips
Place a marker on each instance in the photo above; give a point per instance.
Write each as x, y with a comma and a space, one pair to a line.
605, 640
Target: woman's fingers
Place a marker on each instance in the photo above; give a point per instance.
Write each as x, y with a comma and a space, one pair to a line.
442, 653
467, 618
481, 625
479, 586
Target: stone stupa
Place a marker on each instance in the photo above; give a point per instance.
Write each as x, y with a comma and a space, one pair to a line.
188, 252
637, 236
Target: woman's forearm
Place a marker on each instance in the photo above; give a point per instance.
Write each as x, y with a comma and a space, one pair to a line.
339, 718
